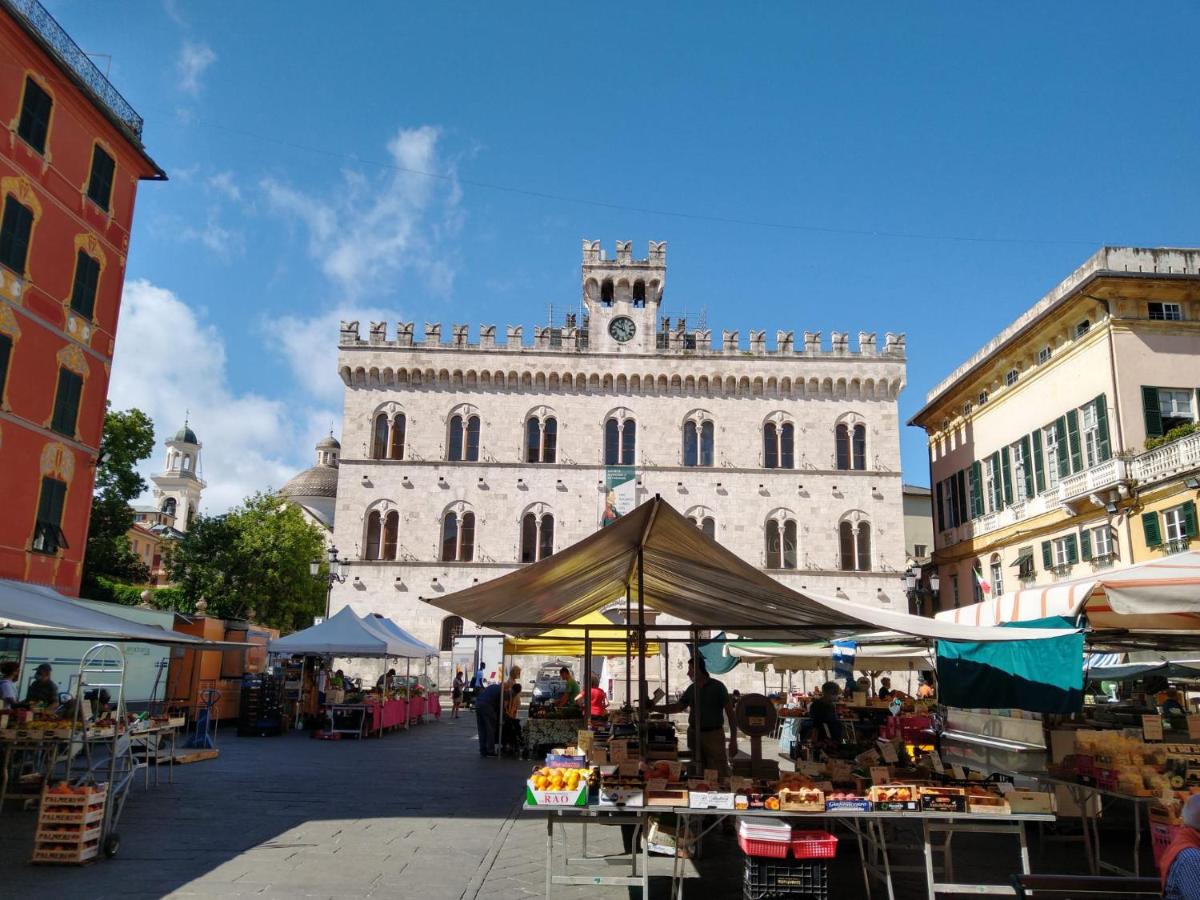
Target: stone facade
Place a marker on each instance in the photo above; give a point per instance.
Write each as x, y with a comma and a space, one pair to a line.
641, 369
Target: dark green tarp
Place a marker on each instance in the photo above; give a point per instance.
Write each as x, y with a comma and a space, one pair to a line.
715, 659
1043, 676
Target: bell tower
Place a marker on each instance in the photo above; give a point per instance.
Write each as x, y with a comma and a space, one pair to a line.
622, 297
178, 486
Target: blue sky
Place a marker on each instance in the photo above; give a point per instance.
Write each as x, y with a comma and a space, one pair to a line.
931, 169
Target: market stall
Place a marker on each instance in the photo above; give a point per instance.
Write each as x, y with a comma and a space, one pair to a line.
654, 557
347, 635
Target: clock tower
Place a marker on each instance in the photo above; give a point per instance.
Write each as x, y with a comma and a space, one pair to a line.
622, 297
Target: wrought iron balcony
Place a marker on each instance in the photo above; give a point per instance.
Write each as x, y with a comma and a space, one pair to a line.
38, 20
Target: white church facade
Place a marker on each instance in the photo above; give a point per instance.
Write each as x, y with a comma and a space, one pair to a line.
462, 460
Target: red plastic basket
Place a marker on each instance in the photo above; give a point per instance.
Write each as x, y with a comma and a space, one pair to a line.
1161, 837
813, 845
769, 849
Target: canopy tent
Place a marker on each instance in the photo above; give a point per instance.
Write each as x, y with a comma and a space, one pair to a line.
345, 634
392, 628
1180, 668
660, 558
34, 610
1127, 606
818, 656
569, 639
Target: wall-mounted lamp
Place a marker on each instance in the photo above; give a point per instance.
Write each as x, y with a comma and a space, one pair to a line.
1192, 483
1110, 508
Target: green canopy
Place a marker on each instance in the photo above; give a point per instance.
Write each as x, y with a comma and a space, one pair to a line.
1043, 676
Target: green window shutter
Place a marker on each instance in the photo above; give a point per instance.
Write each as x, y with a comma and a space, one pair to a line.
976, 475
1103, 445
1073, 439
1028, 474
1047, 555
1151, 412
952, 495
961, 485
66, 403
997, 486
1039, 465
1189, 517
1006, 470
1064, 458
1151, 529
1072, 549
941, 516
1085, 543
6, 345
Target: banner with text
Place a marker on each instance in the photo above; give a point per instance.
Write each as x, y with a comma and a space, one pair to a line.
620, 493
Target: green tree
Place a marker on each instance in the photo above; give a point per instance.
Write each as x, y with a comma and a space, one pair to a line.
253, 558
128, 439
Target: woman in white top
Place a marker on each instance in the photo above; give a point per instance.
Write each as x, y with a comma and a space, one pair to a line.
8, 687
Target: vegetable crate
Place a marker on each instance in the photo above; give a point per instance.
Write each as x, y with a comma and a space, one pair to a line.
766, 879
69, 824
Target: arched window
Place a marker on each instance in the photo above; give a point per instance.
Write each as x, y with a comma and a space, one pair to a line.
781, 543
537, 536
606, 292
698, 441
997, 572
639, 293
620, 441
842, 440
779, 445
187, 462
458, 537
168, 506
391, 531
396, 444
702, 518
463, 443
854, 545
379, 441
860, 447
541, 439
374, 535
452, 627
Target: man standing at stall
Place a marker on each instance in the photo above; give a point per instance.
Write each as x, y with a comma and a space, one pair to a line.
707, 701
487, 718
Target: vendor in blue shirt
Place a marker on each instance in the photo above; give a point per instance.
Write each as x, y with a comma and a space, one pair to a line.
1180, 864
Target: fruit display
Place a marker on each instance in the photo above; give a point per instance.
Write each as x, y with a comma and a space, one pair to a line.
846, 800
552, 785
894, 797
943, 799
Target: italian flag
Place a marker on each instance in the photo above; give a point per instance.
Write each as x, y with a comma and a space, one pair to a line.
984, 584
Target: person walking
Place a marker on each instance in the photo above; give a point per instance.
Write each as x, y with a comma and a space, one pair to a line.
456, 692
487, 718
510, 734
707, 701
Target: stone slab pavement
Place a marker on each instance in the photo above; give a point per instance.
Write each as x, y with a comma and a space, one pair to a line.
414, 814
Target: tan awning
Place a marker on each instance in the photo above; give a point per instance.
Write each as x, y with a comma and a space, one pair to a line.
685, 574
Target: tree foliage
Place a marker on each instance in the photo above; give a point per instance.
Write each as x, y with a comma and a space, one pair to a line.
128, 439
253, 558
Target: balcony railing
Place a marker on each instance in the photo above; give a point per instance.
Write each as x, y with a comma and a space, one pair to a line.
1107, 474
37, 18
1168, 460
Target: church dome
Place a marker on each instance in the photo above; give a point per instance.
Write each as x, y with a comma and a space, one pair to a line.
329, 443
185, 435
319, 481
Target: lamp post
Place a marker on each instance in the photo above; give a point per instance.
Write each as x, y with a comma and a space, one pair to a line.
916, 592
910, 588
336, 572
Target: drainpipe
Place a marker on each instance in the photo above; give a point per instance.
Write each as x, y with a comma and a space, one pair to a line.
1120, 422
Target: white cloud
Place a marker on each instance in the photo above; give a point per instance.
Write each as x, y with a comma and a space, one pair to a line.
193, 61
376, 227
168, 361
224, 242
310, 346
224, 184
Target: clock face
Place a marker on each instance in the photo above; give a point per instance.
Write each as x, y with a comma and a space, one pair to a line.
622, 328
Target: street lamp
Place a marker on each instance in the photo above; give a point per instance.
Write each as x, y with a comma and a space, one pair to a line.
336, 572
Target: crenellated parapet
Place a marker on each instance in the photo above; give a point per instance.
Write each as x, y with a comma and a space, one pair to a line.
674, 338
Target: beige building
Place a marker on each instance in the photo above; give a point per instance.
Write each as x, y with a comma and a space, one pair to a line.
464, 457
918, 524
1065, 445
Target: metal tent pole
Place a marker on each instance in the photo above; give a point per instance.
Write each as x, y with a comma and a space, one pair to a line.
587, 685
628, 648
408, 694
642, 709
694, 710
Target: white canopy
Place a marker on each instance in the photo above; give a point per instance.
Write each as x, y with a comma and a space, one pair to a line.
1157, 597
345, 634
819, 657
35, 610
686, 574
416, 647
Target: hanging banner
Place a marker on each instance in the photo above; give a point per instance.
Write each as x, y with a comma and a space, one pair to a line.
843, 659
620, 493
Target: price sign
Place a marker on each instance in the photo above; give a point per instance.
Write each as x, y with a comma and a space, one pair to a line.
1152, 728
839, 770
888, 751
869, 758
880, 775
958, 773
1194, 727
935, 759
810, 768
618, 750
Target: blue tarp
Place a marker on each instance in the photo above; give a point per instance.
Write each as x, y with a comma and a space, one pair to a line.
1043, 675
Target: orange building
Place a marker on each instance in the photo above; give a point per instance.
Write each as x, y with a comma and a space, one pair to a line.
70, 164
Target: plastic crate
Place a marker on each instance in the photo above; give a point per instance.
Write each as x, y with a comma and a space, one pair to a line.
813, 845
767, 849
766, 879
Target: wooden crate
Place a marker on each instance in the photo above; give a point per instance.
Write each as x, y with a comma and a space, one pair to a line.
64, 854
60, 835
803, 800
71, 815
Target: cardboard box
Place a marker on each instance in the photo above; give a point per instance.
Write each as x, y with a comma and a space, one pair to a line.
668, 795
1041, 802
861, 804
943, 799
711, 799
894, 797
802, 800
577, 797
620, 796
663, 839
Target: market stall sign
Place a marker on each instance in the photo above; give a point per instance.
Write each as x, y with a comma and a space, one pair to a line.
1152, 728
